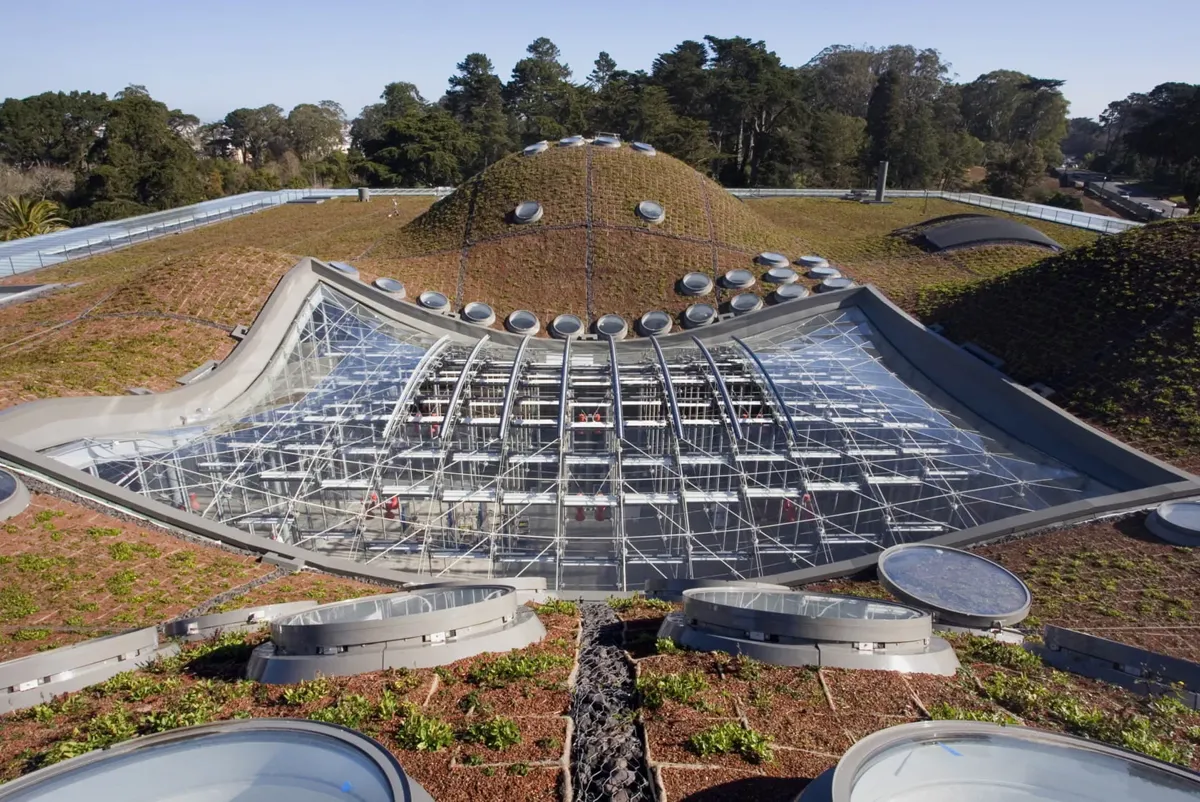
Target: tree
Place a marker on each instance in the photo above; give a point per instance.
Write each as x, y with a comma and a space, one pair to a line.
475, 98
140, 161
400, 99
315, 130
252, 130
53, 128
420, 149
683, 74
603, 71
1084, 137
837, 142
540, 96
22, 217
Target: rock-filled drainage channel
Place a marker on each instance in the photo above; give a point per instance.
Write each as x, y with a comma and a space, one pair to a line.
608, 761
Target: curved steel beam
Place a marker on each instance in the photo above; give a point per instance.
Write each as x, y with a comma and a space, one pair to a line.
414, 381
456, 395
787, 413
618, 413
722, 390
510, 393
676, 421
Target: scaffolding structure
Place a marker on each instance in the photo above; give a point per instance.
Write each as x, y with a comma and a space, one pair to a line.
594, 466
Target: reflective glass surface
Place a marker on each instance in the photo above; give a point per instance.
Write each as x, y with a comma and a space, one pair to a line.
523, 321
393, 606
808, 605
364, 439
955, 581
434, 300
389, 285
8, 485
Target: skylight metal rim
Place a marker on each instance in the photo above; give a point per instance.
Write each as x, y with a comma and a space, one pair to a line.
946, 615
302, 637
17, 501
402, 787
859, 755
699, 611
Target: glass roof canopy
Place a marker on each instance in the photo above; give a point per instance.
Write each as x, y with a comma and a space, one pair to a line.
793, 448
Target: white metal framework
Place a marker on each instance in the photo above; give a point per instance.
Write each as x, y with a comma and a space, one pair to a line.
591, 465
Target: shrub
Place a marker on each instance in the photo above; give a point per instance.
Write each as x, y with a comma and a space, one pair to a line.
499, 672
558, 607
682, 688
495, 733
729, 738
422, 733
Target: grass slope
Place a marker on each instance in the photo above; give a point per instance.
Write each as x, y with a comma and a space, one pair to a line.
1113, 327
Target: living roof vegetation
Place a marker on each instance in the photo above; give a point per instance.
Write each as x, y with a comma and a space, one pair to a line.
1111, 327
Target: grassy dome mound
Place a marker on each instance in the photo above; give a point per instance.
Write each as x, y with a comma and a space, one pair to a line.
590, 253
1113, 327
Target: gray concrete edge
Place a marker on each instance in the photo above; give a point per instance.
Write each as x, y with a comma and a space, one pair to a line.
233, 620
76, 656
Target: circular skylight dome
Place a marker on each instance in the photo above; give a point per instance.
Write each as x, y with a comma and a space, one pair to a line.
673, 588
699, 315
390, 285
823, 272
744, 303
961, 588
607, 142
809, 262
566, 326
535, 148
14, 498
479, 313
523, 321
612, 326
651, 212
772, 259
781, 275
695, 284
570, 141
342, 267
1176, 522
795, 628
655, 323
434, 300
789, 292
527, 212
642, 147
832, 284
739, 279
276, 758
948, 761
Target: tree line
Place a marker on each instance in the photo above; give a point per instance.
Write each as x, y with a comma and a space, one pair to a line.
728, 106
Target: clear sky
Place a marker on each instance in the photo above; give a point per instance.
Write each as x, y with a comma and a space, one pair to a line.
216, 55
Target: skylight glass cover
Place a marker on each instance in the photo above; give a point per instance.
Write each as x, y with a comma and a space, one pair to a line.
369, 440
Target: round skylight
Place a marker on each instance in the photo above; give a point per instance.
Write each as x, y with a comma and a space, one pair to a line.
275, 758
13, 496
948, 761
527, 212
642, 147
699, 315
744, 303
566, 326
823, 272
809, 262
789, 292
961, 588
1176, 522
739, 279
673, 588
523, 321
781, 275
607, 142
832, 284
612, 326
434, 300
479, 313
696, 284
535, 148
651, 212
342, 267
390, 285
772, 259
570, 141
654, 323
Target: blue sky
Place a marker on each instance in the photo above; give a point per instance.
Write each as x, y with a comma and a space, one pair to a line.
210, 57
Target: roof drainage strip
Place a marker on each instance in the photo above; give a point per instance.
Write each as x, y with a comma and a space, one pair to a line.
795, 628
420, 629
229, 761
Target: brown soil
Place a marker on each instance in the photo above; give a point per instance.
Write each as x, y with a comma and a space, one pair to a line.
307, 584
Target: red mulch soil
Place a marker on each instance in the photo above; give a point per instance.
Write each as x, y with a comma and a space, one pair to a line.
306, 584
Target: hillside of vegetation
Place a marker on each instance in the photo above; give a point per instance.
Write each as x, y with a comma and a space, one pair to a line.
1113, 327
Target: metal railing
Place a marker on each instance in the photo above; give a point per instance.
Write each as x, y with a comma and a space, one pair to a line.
1037, 211
33, 253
